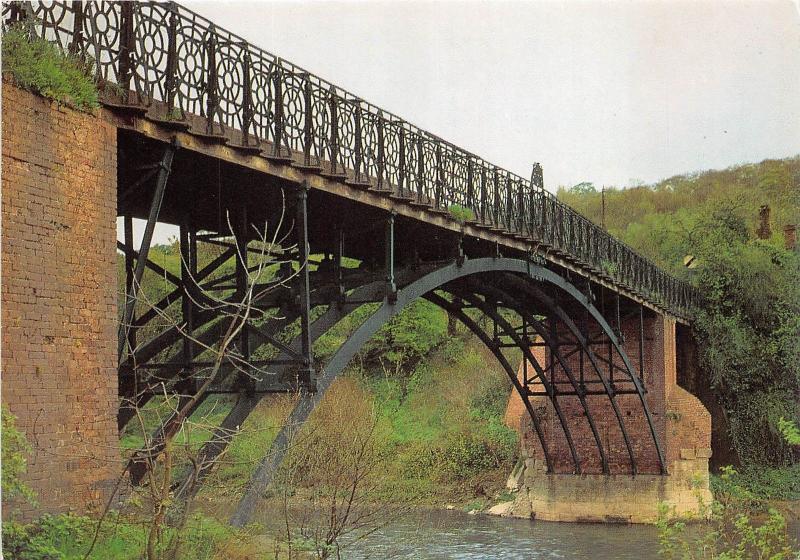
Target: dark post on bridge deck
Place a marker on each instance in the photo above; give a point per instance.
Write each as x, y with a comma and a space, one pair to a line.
391, 286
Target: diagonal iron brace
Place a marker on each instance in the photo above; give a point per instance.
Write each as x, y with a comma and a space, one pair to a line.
141, 262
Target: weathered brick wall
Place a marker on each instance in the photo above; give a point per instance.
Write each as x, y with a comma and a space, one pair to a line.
59, 297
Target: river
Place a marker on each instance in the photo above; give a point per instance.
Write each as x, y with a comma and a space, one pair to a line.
429, 535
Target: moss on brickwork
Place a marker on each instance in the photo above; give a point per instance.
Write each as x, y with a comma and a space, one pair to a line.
42, 67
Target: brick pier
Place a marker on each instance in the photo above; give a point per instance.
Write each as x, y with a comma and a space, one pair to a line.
682, 424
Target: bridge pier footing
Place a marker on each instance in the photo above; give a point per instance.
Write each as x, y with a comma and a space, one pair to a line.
615, 498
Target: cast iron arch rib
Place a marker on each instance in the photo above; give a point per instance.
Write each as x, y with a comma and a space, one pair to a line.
222, 436
570, 324
338, 362
427, 283
508, 330
519, 308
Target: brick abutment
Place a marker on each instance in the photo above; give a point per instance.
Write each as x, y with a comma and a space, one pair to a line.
59, 306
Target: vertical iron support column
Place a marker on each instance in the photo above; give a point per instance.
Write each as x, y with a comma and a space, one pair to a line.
338, 251
391, 286
155, 208
241, 274
188, 273
129, 266
307, 370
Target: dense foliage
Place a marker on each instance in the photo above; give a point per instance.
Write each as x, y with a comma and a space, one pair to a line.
748, 328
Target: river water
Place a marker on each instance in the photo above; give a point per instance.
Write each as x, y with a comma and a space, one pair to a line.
429, 535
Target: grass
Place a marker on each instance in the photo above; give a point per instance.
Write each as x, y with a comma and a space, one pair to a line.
69, 537
40, 66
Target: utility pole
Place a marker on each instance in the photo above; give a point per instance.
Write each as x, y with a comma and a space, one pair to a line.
603, 206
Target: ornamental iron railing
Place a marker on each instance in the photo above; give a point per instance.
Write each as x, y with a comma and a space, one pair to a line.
171, 60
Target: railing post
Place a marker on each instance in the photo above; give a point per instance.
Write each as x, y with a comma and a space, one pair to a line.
381, 154
247, 97
509, 203
212, 99
172, 58
496, 205
437, 195
76, 45
359, 159
127, 46
470, 187
277, 103
483, 194
420, 169
334, 139
401, 162
531, 212
308, 122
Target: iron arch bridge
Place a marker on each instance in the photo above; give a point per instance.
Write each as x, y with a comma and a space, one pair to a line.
228, 142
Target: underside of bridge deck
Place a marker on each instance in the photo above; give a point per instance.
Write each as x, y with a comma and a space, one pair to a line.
357, 255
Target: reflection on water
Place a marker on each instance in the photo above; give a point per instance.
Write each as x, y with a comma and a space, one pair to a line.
451, 534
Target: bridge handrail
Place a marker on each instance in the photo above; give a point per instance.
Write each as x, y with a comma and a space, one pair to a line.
165, 53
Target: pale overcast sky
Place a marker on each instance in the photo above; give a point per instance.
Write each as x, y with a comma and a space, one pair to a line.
607, 92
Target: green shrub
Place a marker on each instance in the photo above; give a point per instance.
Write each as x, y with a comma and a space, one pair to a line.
14, 449
461, 455
40, 66
409, 336
768, 483
69, 537
52, 537
731, 531
460, 213
789, 431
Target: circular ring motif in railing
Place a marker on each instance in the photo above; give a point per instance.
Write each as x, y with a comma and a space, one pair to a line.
294, 107
261, 78
152, 46
347, 131
369, 143
103, 36
230, 78
321, 121
190, 68
261, 93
